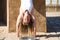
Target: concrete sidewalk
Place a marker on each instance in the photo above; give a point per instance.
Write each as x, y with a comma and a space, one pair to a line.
49, 36
5, 35
40, 36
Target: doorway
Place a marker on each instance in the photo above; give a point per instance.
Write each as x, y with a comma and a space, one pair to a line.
3, 13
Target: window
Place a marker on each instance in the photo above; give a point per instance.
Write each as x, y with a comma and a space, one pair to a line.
58, 2
53, 5
54, 2
47, 2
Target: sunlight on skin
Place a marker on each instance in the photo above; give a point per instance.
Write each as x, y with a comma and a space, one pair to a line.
25, 15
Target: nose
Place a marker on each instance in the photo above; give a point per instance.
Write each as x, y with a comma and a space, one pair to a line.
25, 18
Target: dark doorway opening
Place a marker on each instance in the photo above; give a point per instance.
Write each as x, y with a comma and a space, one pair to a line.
53, 24
3, 13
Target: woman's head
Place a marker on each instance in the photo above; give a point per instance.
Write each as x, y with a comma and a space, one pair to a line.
26, 21
26, 17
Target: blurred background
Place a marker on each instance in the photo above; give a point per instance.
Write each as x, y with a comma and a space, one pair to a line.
53, 15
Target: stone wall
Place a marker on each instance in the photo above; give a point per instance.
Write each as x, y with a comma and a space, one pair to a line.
13, 13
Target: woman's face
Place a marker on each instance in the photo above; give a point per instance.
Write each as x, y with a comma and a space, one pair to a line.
26, 18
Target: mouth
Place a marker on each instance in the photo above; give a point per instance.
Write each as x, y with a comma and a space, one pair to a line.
25, 23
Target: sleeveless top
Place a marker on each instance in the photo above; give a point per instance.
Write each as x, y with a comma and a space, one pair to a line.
26, 5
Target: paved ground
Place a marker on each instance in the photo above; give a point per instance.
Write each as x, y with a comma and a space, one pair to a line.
53, 30
5, 35
41, 36
49, 36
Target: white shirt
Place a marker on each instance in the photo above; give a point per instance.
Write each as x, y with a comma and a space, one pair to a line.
26, 5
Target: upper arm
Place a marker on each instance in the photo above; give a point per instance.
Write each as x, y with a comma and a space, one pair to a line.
34, 20
19, 18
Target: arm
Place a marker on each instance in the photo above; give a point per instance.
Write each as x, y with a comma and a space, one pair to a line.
34, 25
17, 23
18, 20
19, 17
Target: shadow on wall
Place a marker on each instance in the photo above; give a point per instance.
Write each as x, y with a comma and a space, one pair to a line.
40, 14
39, 5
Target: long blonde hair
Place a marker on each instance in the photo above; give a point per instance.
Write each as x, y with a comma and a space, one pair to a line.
24, 28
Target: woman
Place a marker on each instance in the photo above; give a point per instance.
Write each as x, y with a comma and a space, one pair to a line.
26, 18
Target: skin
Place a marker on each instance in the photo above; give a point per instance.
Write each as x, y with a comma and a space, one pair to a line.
26, 19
